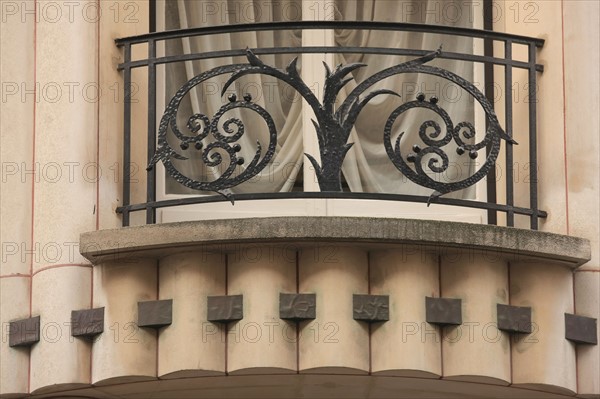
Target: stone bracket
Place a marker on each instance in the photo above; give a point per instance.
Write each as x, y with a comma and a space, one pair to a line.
443, 311
155, 314
581, 329
297, 307
87, 322
24, 332
225, 308
514, 319
371, 308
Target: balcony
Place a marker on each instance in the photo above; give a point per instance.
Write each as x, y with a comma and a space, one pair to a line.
490, 144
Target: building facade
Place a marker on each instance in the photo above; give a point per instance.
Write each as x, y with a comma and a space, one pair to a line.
117, 281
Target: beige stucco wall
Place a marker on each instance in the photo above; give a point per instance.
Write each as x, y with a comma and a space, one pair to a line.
569, 180
57, 99
581, 22
16, 126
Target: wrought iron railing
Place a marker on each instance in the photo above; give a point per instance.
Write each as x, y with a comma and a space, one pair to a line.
334, 122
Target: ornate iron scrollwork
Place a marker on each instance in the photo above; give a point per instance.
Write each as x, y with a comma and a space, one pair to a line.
333, 127
434, 143
202, 126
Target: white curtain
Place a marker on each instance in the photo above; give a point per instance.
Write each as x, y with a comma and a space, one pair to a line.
367, 167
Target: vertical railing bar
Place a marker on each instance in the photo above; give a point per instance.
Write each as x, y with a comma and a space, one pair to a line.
488, 77
126, 133
151, 176
508, 122
533, 178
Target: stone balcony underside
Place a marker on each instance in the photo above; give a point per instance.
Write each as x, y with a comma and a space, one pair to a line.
335, 354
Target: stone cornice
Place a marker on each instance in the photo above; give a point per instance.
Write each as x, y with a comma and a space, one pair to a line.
229, 234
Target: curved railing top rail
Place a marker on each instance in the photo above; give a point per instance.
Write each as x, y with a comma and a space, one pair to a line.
304, 25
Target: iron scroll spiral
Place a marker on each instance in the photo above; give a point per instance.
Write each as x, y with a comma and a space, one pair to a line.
201, 126
438, 162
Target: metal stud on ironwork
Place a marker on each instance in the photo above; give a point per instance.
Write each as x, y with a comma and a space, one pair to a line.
411, 158
240, 161
460, 150
416, 148
473, 154
421, 97
237, 148
198, 145
232, 98
248, 97
184, 145
433, 100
